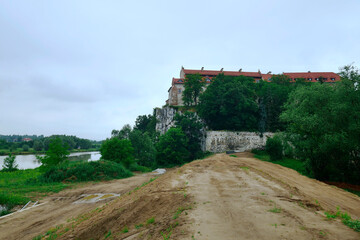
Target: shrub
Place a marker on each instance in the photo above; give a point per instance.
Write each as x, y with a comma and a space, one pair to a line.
116, 150
85, 171
134, 167
274, 148
172, 148
9, 200
10, 164
144, 148
25, 148
56, 153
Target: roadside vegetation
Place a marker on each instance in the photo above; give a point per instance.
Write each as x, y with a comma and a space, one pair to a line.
322, 130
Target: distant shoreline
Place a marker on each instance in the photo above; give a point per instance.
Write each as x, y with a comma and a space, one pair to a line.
43, 152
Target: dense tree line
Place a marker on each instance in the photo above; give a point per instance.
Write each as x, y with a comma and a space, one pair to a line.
145, 147
320, 122
41, 143
323, 125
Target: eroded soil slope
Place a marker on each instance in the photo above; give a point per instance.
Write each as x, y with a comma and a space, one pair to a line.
220, 197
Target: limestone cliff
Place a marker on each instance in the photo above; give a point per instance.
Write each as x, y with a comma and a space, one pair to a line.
164, 118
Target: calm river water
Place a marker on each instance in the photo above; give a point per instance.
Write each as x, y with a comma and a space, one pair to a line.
30, 161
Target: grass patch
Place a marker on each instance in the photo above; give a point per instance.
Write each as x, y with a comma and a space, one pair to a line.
345, 218
245, 168
144, 184
150, 221
125, 229
295, 164
19, 187
233, 155
275, 210
108, 234
139, 226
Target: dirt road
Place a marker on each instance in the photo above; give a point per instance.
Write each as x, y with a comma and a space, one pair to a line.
220, 197
59, 208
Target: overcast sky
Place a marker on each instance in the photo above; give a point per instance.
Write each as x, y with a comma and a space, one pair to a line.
86, 67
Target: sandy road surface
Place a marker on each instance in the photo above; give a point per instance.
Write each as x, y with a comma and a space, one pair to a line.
60, 207
244, 198
220, 197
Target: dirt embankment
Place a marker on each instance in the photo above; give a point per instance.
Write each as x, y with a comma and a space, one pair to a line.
220, 197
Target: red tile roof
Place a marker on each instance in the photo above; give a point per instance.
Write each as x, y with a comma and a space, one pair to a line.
313, 75
227, 73
292, 75
177, 80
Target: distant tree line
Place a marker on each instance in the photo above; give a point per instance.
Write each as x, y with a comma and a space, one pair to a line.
40, 143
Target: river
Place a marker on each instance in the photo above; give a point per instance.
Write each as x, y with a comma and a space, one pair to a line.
30, 161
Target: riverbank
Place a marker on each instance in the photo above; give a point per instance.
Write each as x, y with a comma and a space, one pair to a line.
19, 187
5, 152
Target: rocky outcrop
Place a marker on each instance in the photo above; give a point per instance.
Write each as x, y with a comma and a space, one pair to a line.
164, 118
221, 141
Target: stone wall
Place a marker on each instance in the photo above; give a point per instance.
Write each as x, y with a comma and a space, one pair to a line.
221, 141
214, 141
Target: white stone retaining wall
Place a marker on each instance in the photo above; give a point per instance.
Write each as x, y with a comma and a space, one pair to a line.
221, 141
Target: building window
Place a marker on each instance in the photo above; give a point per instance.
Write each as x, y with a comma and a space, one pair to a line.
179, 90
332, 79
207, 80
269, 79
324, 79
257, 81
317, 79
180, 80
310, 79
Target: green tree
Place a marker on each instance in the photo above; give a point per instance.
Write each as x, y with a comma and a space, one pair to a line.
351, 74
123, 133
25, 147
9, 164
324, 121
38, 145
56, 154
274, 148
117, 150
272, 96
144, 149
229, 103
193, 87
280, 79
192, 126
172, 148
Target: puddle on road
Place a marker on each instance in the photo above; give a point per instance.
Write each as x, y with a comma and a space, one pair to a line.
95, 197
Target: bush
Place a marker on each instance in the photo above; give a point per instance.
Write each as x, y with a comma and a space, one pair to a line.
10, 164
134, 167
25, 148
172, 148
144, 148
85, 171
274, 148
116, 150
10, 200
56, 153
